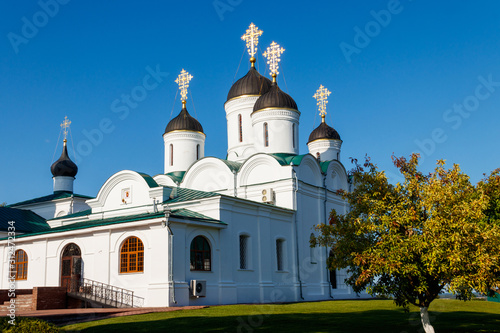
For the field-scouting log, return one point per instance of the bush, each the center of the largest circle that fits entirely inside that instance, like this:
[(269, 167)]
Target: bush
[(27, 325)]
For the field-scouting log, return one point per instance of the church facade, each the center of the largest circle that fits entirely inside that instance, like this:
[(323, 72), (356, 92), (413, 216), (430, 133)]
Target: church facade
[(207, 230)]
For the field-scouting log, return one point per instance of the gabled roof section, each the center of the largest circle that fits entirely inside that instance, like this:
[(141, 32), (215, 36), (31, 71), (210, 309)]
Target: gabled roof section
[(51, 197), (95, 223), (180, 194), (25, 220), (77, 214), (191, 215), (178, 213)]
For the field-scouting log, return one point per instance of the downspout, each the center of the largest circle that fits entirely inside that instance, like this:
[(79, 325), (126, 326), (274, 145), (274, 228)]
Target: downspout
[(171, 256), (235, 183), (326, 248), (296, 189)]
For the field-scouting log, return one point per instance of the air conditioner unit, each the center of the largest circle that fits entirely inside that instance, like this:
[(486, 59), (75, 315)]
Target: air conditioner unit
[(268, 196), (198, 288)]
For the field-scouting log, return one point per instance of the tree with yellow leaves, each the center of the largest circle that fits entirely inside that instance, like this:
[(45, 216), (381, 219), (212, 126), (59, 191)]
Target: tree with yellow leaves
[(415, 239)]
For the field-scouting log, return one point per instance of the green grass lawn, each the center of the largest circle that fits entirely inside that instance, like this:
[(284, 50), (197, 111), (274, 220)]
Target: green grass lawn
[(328, 316)]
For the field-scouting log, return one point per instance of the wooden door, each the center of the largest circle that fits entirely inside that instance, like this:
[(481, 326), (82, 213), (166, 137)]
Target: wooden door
[(71, 267)]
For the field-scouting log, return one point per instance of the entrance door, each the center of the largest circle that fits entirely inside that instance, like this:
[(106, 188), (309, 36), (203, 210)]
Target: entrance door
[(71, 267)]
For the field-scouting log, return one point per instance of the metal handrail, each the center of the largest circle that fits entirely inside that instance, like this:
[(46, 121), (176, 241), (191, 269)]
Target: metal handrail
[(107, 294)]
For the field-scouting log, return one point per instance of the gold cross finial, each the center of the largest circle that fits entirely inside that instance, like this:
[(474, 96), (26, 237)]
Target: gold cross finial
[(321, 97), (65, 125), (252, 38), (183, 82), (273, 54)]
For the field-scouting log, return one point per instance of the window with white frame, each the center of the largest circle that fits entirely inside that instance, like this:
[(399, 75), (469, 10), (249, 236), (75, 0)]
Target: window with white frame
[(244, 255), (280, 261)]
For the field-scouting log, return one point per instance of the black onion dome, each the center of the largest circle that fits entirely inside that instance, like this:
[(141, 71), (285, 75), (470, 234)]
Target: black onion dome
[(275, 98), (323, 131), (64, 166), (184, 122), (251, 84)]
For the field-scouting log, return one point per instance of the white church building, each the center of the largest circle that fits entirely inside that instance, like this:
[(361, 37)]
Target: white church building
[(206, 230)]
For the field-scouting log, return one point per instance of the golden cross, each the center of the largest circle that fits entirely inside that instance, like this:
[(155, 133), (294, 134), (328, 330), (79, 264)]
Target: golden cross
[(321, 97), (273, 54), (65, 125), (183, 82), (252, 38)]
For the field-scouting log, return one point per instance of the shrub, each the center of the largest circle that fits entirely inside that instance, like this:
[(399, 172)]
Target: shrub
[(27, 325)]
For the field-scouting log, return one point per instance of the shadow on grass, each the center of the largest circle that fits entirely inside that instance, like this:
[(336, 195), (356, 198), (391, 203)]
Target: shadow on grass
[(368, 321)]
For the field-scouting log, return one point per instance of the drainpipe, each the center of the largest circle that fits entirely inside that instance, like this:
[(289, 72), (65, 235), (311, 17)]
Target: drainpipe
[(326, 248), (296, 189), (235, 185), (171, 256)]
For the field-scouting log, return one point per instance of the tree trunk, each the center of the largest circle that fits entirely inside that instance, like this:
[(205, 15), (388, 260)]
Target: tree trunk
[(424, 316)]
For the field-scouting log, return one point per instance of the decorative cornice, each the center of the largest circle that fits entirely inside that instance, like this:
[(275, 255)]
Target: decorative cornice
[(275, 108), (182, 133)]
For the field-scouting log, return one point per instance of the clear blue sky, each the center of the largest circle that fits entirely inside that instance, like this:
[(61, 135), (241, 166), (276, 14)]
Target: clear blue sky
[(416, 77)]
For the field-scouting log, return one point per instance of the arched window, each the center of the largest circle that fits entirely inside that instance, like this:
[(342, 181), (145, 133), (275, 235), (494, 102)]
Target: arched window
[(200, 259), (240, 127), (243, 252), (293, 135), (21, 265), (279, 254), (132, 256), (171, 154), (266, 135), (197, 152), (312, 250), (333, 274)]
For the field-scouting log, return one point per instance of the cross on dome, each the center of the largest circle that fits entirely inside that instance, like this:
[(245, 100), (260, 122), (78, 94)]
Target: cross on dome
[(321, 97), (273, 55), (252, 38), (183, 82), (65, 125)]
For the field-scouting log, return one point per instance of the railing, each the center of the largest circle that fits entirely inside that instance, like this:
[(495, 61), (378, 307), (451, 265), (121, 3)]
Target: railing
[(106, 294)]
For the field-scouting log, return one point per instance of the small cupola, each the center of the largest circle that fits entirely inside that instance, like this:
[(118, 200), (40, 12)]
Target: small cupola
[(184, 122), (183, 138), (324, 141), (64, 166), (252, 84), (275, 98), (64, 169)]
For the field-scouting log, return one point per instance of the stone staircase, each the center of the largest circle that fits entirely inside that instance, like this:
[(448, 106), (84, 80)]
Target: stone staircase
[(23, 303)]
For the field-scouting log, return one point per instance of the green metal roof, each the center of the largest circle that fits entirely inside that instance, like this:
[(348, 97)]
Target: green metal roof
[(176, 176), (324, 166), (25, 220), (50, 197), (234, 166), (286, 159), (179, 213), (183, 212), (180, 194), (81, 213), (151, 182)]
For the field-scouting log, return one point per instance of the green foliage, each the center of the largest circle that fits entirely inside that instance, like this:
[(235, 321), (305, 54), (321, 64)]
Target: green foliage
[(411, 240), (27, 325)]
